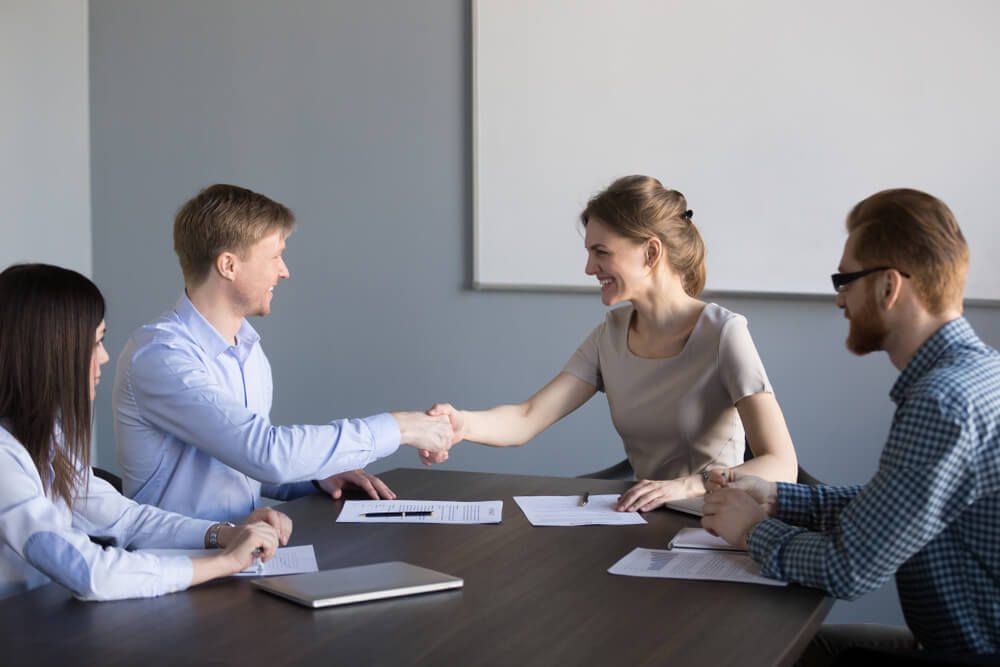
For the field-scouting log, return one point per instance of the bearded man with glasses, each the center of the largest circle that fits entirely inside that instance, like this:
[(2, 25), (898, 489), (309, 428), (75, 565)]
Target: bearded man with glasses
[(929, 515)]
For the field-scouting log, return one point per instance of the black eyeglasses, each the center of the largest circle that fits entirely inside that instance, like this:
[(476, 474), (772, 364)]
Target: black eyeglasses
[(842, 280)]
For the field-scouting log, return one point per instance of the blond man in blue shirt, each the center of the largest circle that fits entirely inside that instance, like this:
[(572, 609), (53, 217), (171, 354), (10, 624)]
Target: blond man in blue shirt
[(193, 388)]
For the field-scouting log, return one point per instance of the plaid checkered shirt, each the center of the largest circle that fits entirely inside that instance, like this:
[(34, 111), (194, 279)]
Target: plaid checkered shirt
[(931, 513)]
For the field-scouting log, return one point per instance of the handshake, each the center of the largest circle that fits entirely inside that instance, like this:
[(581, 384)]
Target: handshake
[(432, 433)]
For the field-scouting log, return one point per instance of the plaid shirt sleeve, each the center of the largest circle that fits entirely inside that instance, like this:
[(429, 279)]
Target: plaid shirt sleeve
[(924, 481)]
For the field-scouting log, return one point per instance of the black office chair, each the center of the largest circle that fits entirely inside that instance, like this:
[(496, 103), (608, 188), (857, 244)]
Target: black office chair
[(623, 470), (115, 481), (109, 477)]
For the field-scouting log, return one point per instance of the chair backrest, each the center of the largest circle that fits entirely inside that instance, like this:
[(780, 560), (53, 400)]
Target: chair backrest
[(109, 477)]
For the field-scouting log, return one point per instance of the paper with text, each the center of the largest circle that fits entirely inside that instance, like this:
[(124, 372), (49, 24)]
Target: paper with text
[(444, 511), (286, 560), (702, 565), (567, 511)]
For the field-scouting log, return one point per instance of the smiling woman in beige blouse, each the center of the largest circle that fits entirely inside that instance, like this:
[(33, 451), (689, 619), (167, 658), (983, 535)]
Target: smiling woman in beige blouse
[(683, 379)]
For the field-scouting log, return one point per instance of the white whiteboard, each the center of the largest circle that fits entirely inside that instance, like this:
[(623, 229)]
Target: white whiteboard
[(773, 117)]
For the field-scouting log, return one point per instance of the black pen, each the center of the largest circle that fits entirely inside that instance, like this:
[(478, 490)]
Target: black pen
[(585, 499), (416, 513)]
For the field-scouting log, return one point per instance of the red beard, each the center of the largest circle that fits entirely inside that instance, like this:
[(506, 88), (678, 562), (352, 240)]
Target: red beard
[(867, 331)]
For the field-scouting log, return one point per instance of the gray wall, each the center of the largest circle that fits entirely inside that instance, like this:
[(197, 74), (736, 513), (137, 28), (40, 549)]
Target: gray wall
[(357, 115), (44, 133)]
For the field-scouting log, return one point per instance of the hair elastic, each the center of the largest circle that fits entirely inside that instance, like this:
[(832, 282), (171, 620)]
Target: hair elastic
[(687, 215)]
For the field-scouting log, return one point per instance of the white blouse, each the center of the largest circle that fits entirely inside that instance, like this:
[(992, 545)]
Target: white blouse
[(41, 540)]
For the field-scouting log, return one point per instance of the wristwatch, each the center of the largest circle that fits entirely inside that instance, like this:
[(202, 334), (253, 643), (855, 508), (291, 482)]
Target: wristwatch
[(212, 536)]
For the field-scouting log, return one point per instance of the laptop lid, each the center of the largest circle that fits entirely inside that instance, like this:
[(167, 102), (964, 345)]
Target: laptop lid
[(358, 584)]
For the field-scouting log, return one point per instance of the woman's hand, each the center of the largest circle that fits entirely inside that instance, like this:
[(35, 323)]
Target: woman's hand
[(242, 544), (457, 422), (649, 494), (249, 541), (280, 521)]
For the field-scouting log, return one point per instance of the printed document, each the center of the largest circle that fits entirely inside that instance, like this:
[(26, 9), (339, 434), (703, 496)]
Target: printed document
[(441, 511), (567, 511), (286, 560), (689, 564)]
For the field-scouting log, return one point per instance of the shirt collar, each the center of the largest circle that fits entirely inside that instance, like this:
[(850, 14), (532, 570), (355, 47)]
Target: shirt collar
[(208, 337), (952, 333)]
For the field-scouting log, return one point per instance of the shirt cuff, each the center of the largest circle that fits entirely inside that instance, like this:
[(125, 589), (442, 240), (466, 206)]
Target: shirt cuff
[(385, 434), (177, 572), (766, 542), (795, 503), (191, 534)]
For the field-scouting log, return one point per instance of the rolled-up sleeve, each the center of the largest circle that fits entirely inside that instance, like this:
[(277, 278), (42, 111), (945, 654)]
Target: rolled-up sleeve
[(865, 534)]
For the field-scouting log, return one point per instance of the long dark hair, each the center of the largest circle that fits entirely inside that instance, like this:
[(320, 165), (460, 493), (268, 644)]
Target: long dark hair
[(48, 318)]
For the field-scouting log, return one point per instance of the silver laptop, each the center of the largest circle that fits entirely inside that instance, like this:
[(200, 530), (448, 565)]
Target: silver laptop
[(358, 584)]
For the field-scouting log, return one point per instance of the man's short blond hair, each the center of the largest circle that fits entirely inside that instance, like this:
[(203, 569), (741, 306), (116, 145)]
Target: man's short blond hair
[(224, 218)]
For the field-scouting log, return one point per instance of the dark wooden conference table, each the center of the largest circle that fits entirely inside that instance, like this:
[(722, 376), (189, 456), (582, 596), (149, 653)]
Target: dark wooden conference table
[(532, 596)]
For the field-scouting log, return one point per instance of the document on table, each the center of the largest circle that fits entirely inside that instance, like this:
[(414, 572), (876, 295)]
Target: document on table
[(699, 539), (441, 511), (286, 560), (567, 511), (693, 505), (690, 564)]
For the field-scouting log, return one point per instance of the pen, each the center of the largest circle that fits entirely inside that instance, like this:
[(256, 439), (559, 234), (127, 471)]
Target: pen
[(257, 565), (585, 499), (416, 513)]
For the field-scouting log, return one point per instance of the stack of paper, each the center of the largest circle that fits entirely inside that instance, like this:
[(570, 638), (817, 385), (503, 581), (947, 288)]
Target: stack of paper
[(694, 554), (286, 560)]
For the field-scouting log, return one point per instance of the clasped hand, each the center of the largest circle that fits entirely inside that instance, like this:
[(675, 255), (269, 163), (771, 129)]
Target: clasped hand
[(259, 537), (735, 503)]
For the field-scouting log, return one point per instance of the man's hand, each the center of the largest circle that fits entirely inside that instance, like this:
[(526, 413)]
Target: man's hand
[(430, 433), (457, 432), (358, 479), (455, 418), (761, 490), (730, 514)]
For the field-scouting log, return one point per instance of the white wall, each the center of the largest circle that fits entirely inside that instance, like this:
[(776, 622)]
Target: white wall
[(772, 117), (44, 133)]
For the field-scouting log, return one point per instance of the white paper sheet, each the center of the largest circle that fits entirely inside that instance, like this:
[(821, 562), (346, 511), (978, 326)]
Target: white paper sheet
[(286, 560), (702, 565), (445, 511), (699, 538), (693, 505), (567, 511)]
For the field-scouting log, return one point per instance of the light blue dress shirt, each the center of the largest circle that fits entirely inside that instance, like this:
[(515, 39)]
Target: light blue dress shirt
[(193, 429), (41, 540)]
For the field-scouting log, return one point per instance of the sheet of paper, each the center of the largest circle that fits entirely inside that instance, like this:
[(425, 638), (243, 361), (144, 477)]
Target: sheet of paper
[(444, 511), (702, 565), (688, 505), (699, 538), (567, 511), (286, 560)]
